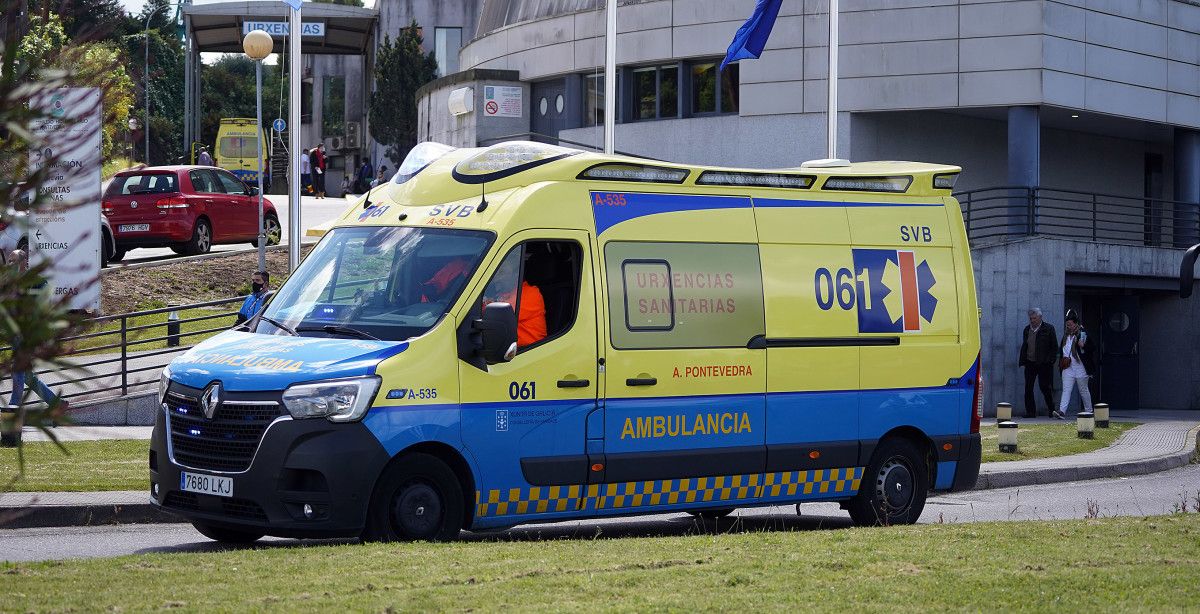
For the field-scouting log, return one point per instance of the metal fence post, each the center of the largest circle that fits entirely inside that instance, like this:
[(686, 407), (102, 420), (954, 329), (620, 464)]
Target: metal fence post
[(173, 328), (1094, 220), (1030, 197), (124, 356)]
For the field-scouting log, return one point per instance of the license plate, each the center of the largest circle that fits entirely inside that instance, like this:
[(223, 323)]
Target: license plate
[(206, 484), (134, 227)]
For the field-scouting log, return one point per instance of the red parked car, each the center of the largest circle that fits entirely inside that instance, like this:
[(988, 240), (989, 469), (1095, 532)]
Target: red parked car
[(186, 208)]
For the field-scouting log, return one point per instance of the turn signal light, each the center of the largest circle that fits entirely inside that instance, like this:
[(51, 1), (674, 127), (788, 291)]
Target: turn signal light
[(815, 454), (598, 467), (947, 447)]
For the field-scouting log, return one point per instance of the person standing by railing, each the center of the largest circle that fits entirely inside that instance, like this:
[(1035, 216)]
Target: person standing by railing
[(259, 285), (21, 379)]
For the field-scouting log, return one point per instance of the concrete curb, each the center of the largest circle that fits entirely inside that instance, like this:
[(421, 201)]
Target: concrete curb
[(1055, 475), (82, 515)]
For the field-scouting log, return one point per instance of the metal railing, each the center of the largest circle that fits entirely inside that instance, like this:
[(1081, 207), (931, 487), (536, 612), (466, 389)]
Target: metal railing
[(552, 140), (114, 341), (1007, 213)]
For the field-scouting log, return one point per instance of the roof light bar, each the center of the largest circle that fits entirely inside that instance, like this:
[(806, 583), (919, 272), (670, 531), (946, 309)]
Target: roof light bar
[(897, 184), (506, 159), (617, 171), (765, 180), (945, 181)]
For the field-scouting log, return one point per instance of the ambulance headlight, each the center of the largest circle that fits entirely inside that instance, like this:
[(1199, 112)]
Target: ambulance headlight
[(343, 400), (164, 382)]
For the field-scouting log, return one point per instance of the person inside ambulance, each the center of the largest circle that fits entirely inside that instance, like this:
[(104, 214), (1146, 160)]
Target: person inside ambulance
[(447, 280), (530, 306)]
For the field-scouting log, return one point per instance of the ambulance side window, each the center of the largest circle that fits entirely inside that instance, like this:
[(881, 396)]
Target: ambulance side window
[(540, 279), (683, 295)]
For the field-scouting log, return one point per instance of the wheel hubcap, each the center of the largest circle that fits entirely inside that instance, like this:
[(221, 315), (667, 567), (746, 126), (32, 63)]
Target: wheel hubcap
[(273, 232), (895, 486), (202, 238), (417, 510)]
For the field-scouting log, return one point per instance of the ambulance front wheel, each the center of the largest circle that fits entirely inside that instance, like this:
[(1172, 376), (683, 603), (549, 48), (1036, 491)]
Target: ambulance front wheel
[(418, 498), (714, 514), (893, 487)]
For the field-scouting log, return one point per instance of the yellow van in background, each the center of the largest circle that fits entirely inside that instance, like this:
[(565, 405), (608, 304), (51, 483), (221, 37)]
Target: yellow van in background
[(236, 149), (529, 333)]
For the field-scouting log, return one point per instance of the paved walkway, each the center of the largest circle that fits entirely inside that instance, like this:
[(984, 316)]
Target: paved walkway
[(1166, 440)]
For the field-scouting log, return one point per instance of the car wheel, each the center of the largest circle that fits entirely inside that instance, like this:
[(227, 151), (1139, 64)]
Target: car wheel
[(180, 249), (894, 486), (105, 248), (272, 229), (714, 514), (418, 498), (117, 255), (226, 535), (201, 239)]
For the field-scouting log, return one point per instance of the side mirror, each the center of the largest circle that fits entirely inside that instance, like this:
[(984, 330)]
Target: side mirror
[(498, 328), (252, 190)]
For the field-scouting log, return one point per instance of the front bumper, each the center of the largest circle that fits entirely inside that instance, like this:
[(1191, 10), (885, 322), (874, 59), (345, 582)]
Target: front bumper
[(332, 467)]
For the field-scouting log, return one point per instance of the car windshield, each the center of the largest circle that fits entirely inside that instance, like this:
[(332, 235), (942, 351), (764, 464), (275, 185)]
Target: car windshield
[(238, 147), (372, 282), (143, 183)]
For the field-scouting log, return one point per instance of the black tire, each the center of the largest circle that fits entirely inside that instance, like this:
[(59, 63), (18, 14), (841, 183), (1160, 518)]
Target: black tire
[(228, 536), (714, 514), (180, 249), (417, 498), (272, 229), (105, 248), (894, 485), (117, 255), (201, 240)]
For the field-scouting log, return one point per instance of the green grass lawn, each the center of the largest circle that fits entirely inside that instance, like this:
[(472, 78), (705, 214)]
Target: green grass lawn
[(1046, 440), (1120, 564), (227, 313), (119, 464)]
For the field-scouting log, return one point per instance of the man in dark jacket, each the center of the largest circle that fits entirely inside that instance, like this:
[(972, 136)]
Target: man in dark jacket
[(1039, 351)]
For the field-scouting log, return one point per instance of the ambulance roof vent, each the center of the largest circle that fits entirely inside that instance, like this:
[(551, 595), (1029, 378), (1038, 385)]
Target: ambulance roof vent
[(507, 159), (826, 163)]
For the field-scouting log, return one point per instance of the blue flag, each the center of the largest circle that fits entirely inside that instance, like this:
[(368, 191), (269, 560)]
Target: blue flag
[(752, 36)]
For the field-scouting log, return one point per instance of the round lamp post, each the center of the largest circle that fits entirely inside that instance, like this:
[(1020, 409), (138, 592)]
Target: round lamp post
[(1003, 412), (1085, 425), (258, 45), (1101, 415)]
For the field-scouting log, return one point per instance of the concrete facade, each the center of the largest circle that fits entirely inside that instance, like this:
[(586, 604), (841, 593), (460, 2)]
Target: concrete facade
[(438, 124)]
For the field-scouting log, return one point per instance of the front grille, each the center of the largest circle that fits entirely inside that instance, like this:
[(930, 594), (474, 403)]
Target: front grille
[(227, 442), (182, 500), (243, 508)]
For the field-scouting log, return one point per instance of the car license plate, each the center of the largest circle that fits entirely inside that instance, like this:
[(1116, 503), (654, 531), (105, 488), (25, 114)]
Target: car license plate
[(206, 484), (135, 227)]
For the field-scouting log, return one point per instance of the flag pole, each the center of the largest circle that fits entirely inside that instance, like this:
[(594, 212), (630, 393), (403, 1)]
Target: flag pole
[(610, 79), (833, 78)]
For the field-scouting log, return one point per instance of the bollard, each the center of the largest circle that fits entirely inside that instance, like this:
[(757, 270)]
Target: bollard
[(1003, 412), (1085, 424), (1008, 437), (173, 328), (1101, 415), (10, 435)]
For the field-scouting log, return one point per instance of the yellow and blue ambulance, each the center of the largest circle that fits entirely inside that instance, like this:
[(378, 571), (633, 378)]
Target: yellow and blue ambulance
[(237, 149), (528, 333)]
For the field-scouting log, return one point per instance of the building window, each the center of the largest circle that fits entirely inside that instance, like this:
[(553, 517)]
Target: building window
[(714, 90), (446, 44), (333, 106), (306, 101), (656, 92), (593, 99)]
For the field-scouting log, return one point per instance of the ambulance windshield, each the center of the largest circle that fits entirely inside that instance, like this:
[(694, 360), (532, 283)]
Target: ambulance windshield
[(368, 282)]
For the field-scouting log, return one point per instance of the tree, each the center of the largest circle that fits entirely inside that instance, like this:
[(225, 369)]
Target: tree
[(164, 82), (400, 68), (44, 48), (227, 90)]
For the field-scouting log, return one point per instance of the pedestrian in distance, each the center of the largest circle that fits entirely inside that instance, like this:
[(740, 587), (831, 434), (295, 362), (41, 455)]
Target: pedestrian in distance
[(1039, 350), (10, 437), (260, 284), (318, 167), (363, 177), (204, 159), (1077, 361), (305, 172), (381, 178)]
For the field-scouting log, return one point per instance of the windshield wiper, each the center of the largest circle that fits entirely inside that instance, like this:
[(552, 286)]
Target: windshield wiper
[(283, 327), (340, 330)]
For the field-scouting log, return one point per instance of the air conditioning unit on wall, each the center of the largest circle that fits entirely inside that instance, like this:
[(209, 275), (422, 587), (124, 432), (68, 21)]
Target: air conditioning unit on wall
[(337, 143), (353, 130)]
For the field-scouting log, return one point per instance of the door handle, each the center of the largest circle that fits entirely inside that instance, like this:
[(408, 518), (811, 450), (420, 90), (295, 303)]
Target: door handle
[(641, 381), (573, 383)]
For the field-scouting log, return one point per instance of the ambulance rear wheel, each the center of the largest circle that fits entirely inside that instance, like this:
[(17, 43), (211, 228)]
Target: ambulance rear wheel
[(418, 498), (712, 514), (894, 486), (227, 536)]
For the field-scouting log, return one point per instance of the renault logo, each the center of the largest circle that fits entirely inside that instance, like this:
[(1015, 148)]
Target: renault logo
[(211, 400)]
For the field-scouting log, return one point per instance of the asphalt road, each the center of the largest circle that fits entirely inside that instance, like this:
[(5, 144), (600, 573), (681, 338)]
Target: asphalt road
[(313, 212), (1146, 495)]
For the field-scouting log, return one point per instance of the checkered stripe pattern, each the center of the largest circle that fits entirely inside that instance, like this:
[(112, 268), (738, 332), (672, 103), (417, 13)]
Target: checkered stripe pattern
[(626, 495)]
